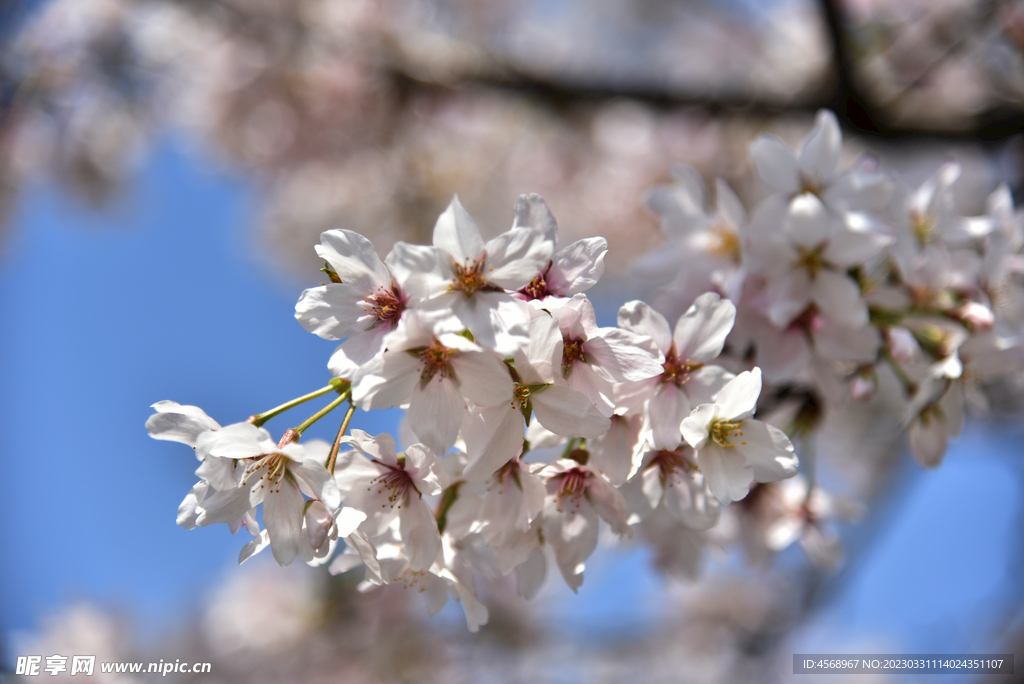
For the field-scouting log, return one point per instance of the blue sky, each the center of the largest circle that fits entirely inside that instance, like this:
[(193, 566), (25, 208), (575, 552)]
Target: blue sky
[(165, 296)]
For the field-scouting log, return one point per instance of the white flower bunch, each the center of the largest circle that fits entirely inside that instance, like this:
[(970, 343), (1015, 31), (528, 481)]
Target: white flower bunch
[(532, 423)]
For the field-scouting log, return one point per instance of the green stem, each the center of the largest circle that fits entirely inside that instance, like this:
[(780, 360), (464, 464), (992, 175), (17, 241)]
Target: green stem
[(448, 498), (909, 385), (261, 418), (320, 414), (337, 440)]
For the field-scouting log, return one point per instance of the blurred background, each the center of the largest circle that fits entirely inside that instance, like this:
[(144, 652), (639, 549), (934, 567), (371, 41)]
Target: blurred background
[(166, 167)]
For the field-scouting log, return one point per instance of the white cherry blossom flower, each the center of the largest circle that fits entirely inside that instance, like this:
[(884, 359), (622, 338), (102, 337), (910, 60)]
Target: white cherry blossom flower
[(687, 379), (573, 269), (807, 514), (732, 448), (276, 476), (364, 306), (467, 278), (374, 480), (593, 358), (671, 478), (711, 244), (577, 498), (434, 375), (815, 169), (495, 434), (807, 261)]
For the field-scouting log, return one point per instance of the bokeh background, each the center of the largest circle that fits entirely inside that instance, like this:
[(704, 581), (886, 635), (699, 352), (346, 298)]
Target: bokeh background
[(166, 167)]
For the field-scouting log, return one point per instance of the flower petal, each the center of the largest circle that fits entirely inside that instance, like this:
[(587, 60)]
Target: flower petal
[(353, 257), (457, 233), (436, 410), (638, 317), (577, 267), (700, 333), (738, 398), (727, 473), (776, 163), (568, 412), (819, 155)]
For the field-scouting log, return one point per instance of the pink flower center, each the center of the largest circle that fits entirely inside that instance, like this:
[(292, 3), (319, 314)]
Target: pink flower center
[(274, 467), (572, 351), (572, 485), (386, 305), (434, 360), (396, 482), (672, 467), (538, 287), (676, 369)]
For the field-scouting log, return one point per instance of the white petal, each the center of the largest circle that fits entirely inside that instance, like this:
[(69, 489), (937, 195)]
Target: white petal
[(516, 257), (380, 448), (423, 467), (482, 378), (667, 409), (436, 411), (845, 343), (422, 271), (776, 163), (788, 295), (700, 333), (239, 440), (334, 311), (595, 386), (568, 412), (692, 503), (353, 257), (928, 441), (530, 575), (456, 232), (254, 547), (493, 437), (729, 205), (738, 398), (357, 351), (419, 533), (727, 473), (541, 359), (386, 381), (838, 297), (819, 155), (767, 449), (695, 426), (609, 504), (623, 356), (348, 520), (320, 481), (577, 267), (178, 423), (282, 516), (847, 248), (640, 318), (808, 223), (532, 212), (574, 538)]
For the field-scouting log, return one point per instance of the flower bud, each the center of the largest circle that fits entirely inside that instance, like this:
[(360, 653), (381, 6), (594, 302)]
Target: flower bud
[(902, 345), (318, 524), (975, 316), (864, 386)]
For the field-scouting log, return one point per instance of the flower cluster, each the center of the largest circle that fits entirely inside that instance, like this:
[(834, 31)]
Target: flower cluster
[(528, 423)]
